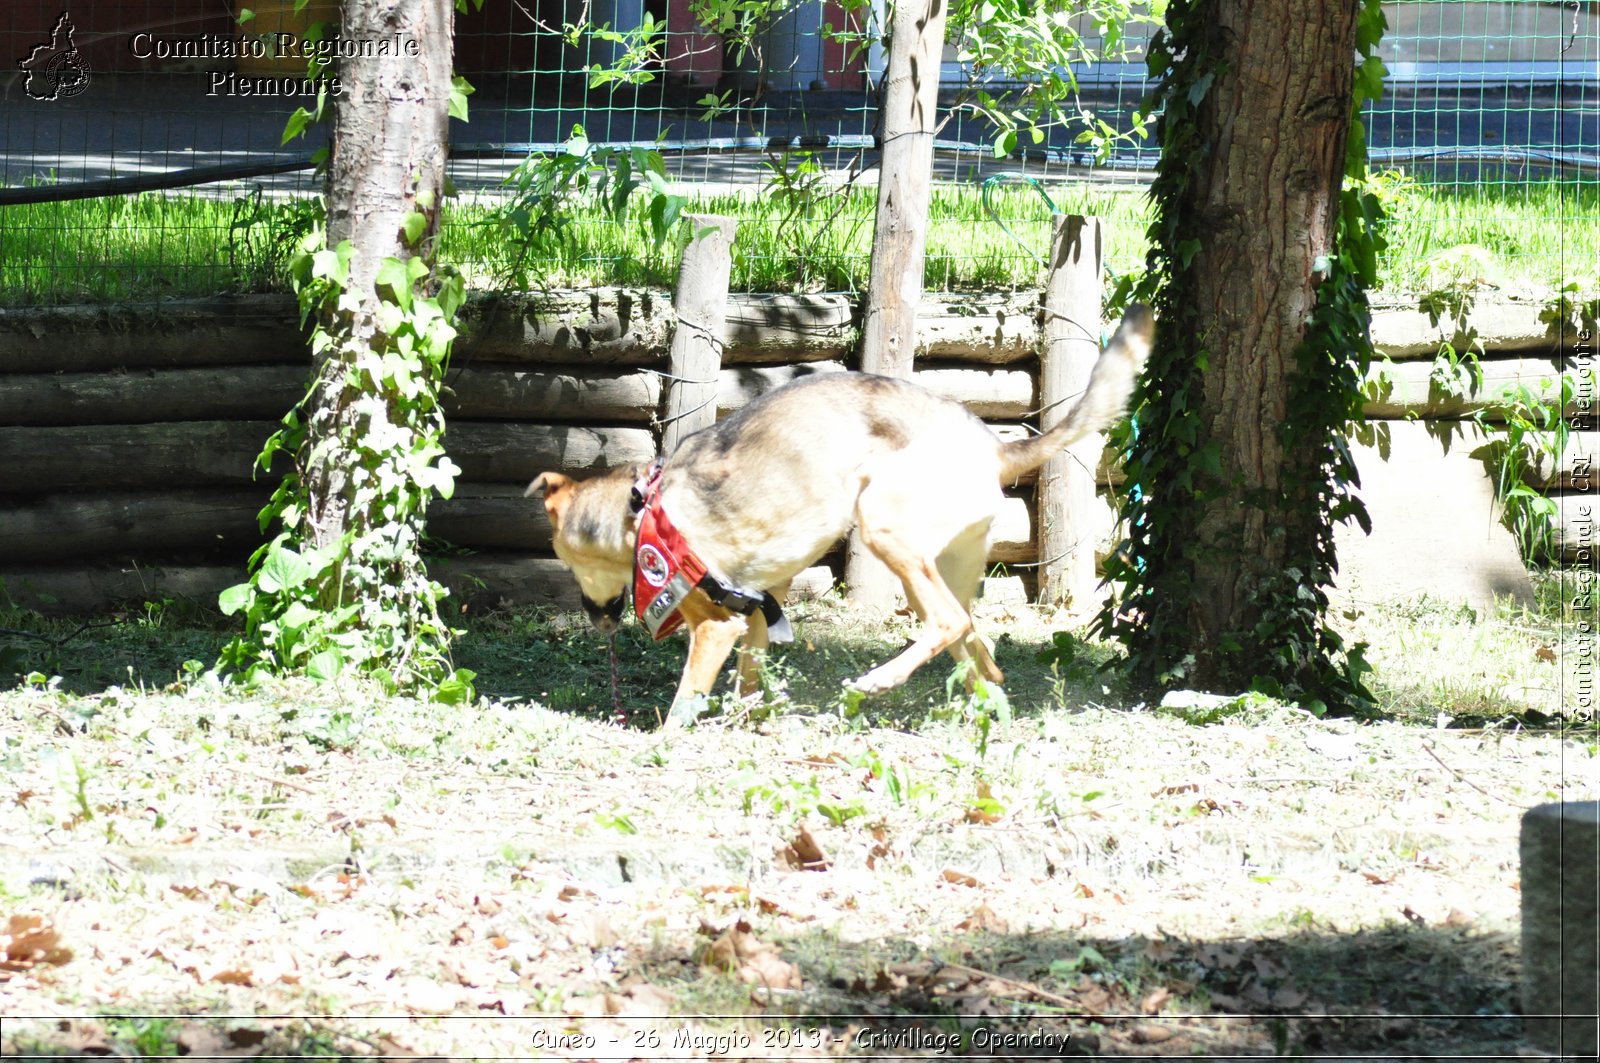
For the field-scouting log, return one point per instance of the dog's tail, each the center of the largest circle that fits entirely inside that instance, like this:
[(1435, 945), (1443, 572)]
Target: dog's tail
[(1102, 402)]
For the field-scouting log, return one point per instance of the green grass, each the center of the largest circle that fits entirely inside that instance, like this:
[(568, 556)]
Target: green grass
[(823, 246), (1526, 238), (1532, 237), (1431, 659)]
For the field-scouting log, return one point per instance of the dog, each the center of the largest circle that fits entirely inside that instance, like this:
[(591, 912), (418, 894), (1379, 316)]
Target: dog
[(752, 500)]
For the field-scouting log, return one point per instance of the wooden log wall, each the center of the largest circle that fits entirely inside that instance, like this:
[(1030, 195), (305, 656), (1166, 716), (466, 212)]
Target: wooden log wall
[(128, 434)]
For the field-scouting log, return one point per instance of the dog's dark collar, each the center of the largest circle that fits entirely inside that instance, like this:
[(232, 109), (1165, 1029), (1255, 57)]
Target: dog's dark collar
[(666, 569)]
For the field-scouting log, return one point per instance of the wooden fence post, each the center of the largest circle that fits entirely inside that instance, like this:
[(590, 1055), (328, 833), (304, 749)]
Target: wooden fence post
[(700, 303), (1070, 343), (907, 118)]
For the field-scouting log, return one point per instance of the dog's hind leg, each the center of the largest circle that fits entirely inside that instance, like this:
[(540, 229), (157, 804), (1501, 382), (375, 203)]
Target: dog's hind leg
[(961, 566), (711, 639), (945, 620)]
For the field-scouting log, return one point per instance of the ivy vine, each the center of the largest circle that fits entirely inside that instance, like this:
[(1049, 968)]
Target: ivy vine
[(1286, 649), (362, 602)]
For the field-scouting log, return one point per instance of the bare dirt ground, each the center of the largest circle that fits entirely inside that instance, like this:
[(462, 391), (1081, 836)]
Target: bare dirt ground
[(326, 871)]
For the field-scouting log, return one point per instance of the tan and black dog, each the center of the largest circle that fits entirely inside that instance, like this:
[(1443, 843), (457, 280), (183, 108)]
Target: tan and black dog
[(764, 493)]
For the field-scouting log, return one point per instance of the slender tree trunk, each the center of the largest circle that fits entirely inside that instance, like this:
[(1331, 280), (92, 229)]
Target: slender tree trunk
[(387, 160), (1256, 200), (905, 186), (908, 117)]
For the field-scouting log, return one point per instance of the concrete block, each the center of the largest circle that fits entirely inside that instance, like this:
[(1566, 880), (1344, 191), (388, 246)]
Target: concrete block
[(1436, 530), (1560, 932)]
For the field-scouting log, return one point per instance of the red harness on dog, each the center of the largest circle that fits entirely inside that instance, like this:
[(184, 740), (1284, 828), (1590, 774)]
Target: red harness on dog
[(665, 570)]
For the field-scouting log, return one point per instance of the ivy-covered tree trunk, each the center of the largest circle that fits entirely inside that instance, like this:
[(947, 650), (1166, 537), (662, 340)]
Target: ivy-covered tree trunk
[(386, 164), (1238, 458), (343, 586)]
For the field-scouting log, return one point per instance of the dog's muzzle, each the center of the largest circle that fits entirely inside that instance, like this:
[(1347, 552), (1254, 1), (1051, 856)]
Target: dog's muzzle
[(608, 617)]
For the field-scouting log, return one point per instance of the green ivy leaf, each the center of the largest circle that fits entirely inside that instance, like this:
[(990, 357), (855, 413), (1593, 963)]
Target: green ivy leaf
[(296, 125), (458, 689), (236, 598), (414, 225), (283, 569), (394, 275), (325, 665), (460, 89)]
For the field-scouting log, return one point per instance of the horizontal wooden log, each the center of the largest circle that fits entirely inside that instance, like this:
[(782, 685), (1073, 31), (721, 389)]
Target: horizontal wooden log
[(1408, 388), (227, 330), (515, 453), (477, 584), (1578, 468), (1000, 394), (123, 525), (264, 393), (991, 392), (611, 327), (737, 388), (815, 582), (998, 329), (490, 517), (767, 329), (143, 396), (1575, 470), (127, 524), (555, 394), (602, 327), (211, 453), (68, 590), (485, 581), (1011, 535), (1406, 332), (180, 455)]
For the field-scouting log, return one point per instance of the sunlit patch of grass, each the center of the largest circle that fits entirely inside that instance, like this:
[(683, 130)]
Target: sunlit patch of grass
[(1532, 238), (1536, 236), (1446, 663)]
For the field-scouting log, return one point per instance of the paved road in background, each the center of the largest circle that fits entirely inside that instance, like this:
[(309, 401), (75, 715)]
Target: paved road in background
[(131, 124)]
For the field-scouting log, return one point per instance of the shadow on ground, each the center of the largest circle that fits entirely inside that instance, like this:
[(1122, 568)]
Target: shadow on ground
[(1395, 993)]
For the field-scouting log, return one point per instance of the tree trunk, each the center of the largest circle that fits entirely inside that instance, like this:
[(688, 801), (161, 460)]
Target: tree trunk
[(387, 160), (1254, 199), (908, 117)]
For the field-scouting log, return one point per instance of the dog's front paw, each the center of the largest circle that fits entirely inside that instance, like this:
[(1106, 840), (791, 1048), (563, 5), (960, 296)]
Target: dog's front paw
[(686, 711), (874, 682)]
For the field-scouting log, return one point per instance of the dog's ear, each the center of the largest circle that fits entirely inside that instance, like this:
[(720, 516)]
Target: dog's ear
[(551, 483), (557, 493)]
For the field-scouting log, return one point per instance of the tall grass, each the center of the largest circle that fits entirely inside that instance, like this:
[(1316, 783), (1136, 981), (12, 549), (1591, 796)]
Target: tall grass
[(115, 248), (1522, 237), (1530, 237)]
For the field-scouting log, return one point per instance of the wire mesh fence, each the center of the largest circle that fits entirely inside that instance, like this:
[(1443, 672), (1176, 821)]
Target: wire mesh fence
[(142, 152)]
